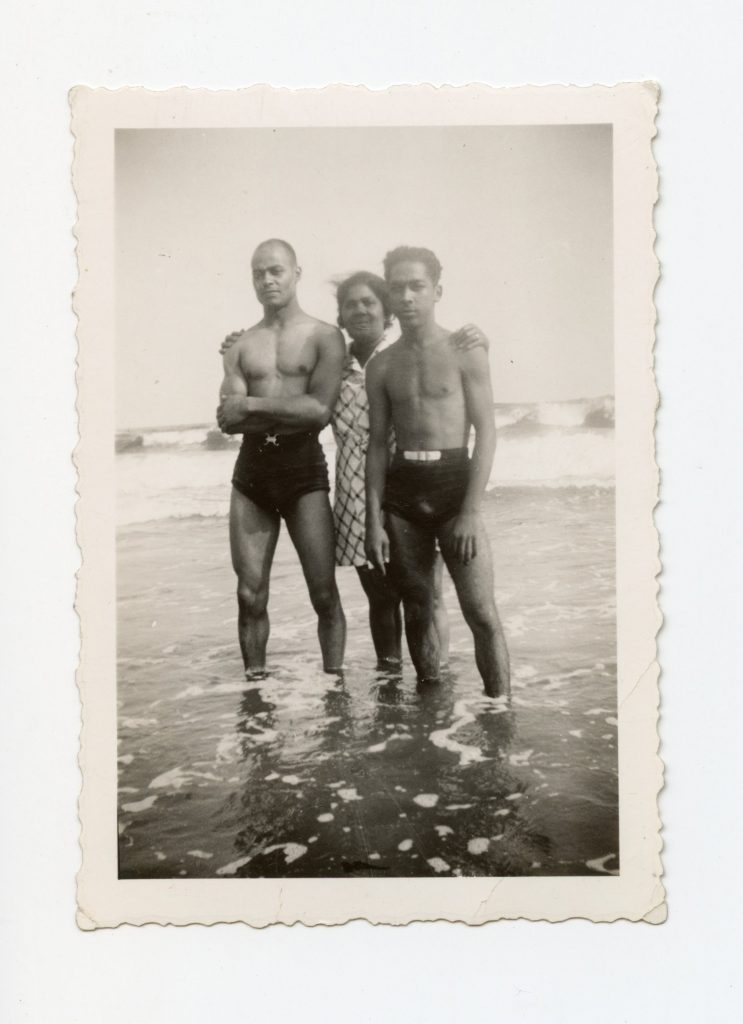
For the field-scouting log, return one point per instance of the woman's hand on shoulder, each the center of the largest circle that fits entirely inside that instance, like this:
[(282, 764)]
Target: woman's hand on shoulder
[(229, 341), (470, 336)]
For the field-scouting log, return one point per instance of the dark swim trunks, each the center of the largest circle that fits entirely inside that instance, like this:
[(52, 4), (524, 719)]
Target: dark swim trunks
[(276, 470), (428, 493)]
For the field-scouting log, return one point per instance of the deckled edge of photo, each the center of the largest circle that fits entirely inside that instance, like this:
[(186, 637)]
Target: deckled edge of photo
[(103, 900)]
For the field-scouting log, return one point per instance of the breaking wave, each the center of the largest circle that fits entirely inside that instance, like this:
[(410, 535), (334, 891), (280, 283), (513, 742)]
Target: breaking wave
[(184, 471)]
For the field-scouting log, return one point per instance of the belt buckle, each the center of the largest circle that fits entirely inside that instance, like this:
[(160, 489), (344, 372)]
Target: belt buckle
[(425, 456)]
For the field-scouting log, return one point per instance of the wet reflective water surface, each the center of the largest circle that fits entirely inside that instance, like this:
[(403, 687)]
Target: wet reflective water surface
[(304, 774)]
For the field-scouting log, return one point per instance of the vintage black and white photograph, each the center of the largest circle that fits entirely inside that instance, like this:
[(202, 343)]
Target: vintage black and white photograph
[(365, 485)]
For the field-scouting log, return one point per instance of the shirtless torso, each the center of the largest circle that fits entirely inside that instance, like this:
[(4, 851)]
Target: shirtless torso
[(289, 373), (424, 389)]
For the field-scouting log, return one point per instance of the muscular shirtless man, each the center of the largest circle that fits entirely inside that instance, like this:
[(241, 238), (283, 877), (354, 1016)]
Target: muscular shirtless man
[(281, 381), (433, 393)]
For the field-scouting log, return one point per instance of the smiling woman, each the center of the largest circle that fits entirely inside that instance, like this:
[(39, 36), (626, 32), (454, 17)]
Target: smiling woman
[(364, 312)]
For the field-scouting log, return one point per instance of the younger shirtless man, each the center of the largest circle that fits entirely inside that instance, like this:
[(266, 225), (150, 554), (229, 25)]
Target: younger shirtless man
[(432, 393), (281, 381)]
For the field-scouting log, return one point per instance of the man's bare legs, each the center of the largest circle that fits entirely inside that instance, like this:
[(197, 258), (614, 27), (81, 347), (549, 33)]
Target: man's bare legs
[(253, 536), (412, 552), (310, 525), (385, 621), (474, 584)]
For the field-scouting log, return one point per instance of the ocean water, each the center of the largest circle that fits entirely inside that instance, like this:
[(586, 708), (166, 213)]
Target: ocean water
[(305, 774)]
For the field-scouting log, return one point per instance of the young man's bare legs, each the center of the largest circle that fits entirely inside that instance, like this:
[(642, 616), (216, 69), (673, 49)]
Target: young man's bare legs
[(474, 585), (253, 536), (412, 553), (310, 525)]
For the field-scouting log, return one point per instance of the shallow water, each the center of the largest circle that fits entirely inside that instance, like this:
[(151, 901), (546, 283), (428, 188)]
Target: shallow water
[(305, 774)]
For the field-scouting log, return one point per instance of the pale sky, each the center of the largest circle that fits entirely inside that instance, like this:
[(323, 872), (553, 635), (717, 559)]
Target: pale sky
[(520, 217)]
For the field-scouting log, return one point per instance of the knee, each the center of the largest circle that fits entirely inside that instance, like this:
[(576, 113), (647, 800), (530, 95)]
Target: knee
[(252, 601), (324, 600), (418, 601), (482, 618)]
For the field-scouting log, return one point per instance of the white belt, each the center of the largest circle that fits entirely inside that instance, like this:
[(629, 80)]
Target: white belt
[(428, 456)]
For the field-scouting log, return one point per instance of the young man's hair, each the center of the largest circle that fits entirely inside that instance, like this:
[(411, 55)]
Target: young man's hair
[(413, 254), (374, 283), (288, 249)]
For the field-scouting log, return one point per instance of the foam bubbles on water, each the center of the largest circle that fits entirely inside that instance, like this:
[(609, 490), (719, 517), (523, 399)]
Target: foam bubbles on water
[(443, 830), (327, 816), (177, 777), (349, 794), (227, 748), (520, 759), (233, 866), (438, 865), (139, 805), (426, 799), (200, 854), (443, 737), (137, 723), (292, 851), (405, 845), (291, 780), (174, 779), (478, 846), (599, 864)]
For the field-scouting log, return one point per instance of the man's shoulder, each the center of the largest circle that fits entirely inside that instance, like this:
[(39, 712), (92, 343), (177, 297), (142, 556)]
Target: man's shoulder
[(472, 360), (321, 328), (233, 357), (247, 334), (325, 335), (390, 352), (377, 368)]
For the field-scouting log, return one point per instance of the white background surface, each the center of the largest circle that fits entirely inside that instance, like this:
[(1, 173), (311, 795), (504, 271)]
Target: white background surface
[(683, 970)]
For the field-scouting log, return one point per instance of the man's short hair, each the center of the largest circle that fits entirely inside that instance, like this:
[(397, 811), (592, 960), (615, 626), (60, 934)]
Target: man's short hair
[(374, 283), (413, 254), (288, 249)]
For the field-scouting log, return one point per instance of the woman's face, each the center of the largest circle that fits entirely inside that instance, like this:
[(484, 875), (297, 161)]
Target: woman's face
[(362, 313)]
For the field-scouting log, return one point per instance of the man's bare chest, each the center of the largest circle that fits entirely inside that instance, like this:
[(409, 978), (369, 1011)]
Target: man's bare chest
[(430, 377), (268, 356)]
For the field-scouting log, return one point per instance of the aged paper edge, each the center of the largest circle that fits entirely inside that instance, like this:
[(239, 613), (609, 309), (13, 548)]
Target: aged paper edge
[(637, 894)]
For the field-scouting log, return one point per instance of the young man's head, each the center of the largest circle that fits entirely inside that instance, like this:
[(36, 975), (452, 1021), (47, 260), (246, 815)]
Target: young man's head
[(412, 275), (275, 273)]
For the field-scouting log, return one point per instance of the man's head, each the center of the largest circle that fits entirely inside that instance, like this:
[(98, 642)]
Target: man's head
[(275, 273), (412, 275)]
